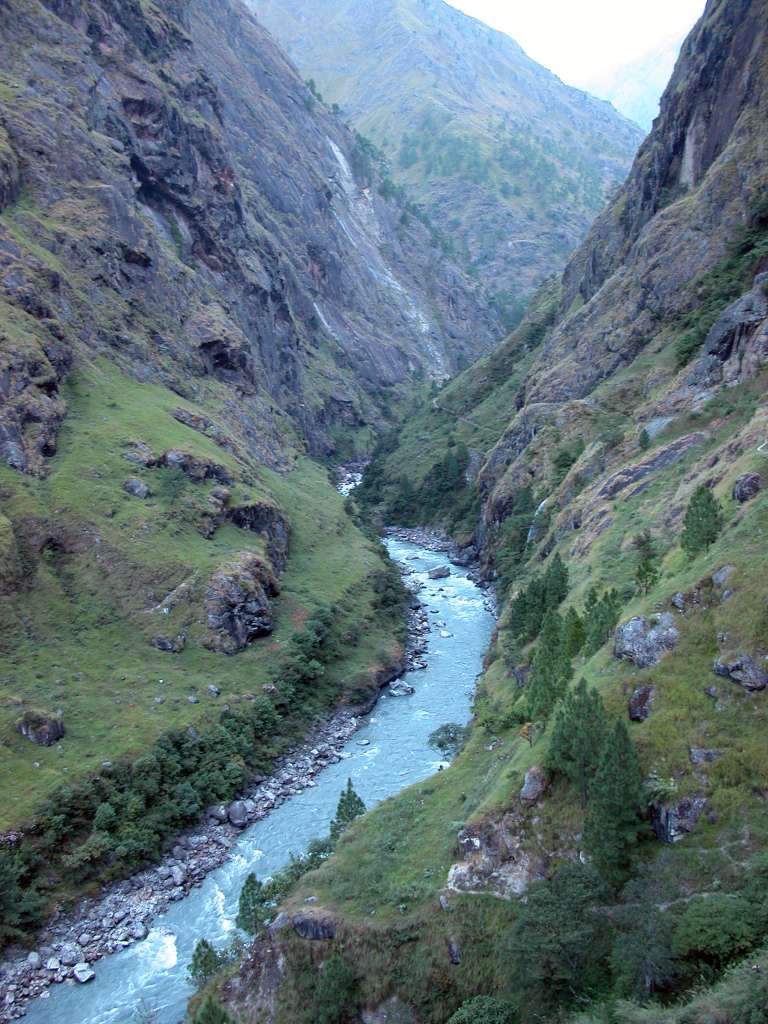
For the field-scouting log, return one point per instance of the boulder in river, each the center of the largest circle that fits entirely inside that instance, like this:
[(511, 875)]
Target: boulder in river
[(83, 973), (440, 573)]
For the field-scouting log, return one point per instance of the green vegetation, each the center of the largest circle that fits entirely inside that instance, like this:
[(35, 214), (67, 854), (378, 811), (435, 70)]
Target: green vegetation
[(484, 1010), (350, 806), (211, 1012), (703, 522), (613, 825)]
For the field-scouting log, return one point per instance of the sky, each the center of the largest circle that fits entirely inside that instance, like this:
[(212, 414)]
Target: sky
[(592, 43)]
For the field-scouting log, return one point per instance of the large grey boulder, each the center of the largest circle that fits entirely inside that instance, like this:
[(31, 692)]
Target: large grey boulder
[(644, 641), (440, 573), (742, 669), (535, 784), (70, 954), (136, 487), (237, 813), (83, 973), (747, 486), (41, 728)]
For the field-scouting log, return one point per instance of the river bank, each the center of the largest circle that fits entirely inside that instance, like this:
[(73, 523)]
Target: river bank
[(122, 914)]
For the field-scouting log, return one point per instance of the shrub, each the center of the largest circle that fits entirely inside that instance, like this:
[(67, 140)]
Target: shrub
[(714, 930), (484, 1010)]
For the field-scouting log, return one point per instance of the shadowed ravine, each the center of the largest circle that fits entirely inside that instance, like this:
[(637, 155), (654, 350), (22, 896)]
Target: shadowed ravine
[(153, 973)]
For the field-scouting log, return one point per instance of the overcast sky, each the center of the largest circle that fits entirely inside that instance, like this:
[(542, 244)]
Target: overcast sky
[(583, 41)]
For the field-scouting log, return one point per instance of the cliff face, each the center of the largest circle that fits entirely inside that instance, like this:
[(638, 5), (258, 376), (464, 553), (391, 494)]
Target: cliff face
[(511, 164), (193, 215)]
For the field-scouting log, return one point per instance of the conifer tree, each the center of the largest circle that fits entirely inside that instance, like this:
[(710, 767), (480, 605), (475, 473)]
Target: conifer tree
[(551, 668), (703, 522), (251, 910), (205, 963), (613, 826), (350, 806), (211, 1012), (555, 583), (644, 440), (578, 736), (647, 575), (574, 634), (600, 620)]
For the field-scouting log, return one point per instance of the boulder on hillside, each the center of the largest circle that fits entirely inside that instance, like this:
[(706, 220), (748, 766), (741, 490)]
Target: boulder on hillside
[(237, 603), (644, 641), (747, 486), (41, 728), (742, 669), (641, 702), (535, 784), (172, 646), (314, 926), (672, 822), (136, 487)]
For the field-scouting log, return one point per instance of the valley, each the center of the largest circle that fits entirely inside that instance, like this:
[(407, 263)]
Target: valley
[(275, 353)]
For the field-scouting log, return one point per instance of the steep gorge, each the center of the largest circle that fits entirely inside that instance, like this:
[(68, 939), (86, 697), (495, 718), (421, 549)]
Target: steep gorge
[(633, 384)]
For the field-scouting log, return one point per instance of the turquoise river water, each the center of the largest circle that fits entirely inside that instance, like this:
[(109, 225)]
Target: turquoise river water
[(153, 974)]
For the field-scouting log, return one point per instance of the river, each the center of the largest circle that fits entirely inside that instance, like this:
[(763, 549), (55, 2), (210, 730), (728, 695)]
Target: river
[(151, 975)]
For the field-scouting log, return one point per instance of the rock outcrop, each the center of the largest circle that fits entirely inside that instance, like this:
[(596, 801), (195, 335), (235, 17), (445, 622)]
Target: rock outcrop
[(41, 728), (645, 641), (237, 603)]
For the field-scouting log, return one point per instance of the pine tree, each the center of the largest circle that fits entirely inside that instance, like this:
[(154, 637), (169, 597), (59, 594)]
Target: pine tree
[(211, 1012), (555, 583), (205, 963), (574, 634), (703, 522), (644, 440), (600, 620), (350, 806), (647, 575), (251, 910), (577, 738), (551, 668), (612, 826)]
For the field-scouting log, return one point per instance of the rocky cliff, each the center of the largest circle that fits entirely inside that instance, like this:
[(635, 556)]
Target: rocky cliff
[(511, 164)]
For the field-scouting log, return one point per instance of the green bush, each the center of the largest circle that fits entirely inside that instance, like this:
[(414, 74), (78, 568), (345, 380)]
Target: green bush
[(714, 930), (484, 1010)]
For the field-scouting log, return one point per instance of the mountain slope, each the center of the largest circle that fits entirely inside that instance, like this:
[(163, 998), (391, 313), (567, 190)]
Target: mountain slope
[(200, 292), (510, 164), (633, 384)]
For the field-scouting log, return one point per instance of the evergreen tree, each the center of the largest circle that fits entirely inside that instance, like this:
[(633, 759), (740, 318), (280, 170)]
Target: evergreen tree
[(205, 963), (337, 995), (612, 827), (559, 943), (574, 634), (350, 806), (703, 522), (578, 736), (251, 909), (551, 668), (211, 1012), (600, 620), (647, 575), (484, 1010), (644, 440), (22, 908), (555, 583)]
